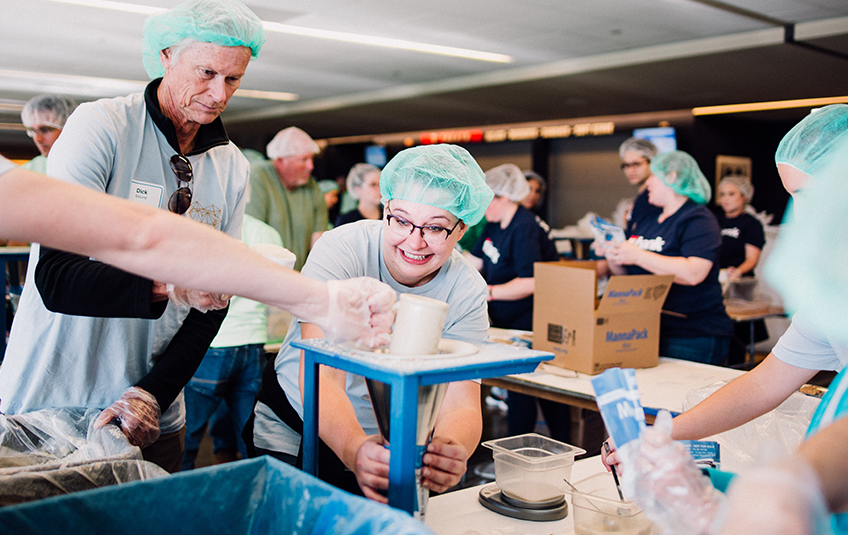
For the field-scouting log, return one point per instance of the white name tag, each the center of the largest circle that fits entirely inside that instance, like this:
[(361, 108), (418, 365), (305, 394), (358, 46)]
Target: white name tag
[(149, 194)]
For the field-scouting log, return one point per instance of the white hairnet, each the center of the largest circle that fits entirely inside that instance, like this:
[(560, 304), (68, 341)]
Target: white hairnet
[(50, 110), (357, 175), (635, 144), (508, 181), (291, 141), (742, 183), (444, 176), (220, 22)]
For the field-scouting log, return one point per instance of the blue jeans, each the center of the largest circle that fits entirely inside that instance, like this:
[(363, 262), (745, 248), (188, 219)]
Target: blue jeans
[(706, 349), (230, 375)]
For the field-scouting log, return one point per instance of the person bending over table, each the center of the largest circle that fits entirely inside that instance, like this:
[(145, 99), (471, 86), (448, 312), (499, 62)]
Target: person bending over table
[(683, 239), (431, 194)]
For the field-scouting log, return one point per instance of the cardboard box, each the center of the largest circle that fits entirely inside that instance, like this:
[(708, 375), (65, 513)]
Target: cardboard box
[(589, 335)]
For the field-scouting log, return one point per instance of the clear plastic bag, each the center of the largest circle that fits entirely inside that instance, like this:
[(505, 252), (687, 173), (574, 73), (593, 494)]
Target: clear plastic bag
[(57, 451), (783, 429)]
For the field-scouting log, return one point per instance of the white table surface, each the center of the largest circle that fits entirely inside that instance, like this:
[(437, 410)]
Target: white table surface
[(460, 512), (662, 387)]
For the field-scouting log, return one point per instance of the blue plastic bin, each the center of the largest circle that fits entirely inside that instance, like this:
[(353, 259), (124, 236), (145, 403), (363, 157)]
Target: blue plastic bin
[(255, 496)]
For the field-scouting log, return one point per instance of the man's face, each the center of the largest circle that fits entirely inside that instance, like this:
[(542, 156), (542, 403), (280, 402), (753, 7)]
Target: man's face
[(294, 171), (636, 168), (44, 132), (201, 79)]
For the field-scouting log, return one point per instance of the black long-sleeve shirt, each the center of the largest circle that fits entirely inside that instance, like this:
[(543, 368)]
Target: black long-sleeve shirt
[(75, 285)]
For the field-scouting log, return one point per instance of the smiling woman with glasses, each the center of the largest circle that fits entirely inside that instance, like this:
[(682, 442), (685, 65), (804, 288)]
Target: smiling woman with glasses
[(431, 193)]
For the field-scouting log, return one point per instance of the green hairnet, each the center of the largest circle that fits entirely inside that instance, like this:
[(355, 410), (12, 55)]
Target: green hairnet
[(327, 186), (220, 22), (690, 181), (444, 176), (807, 147), (809, 263)]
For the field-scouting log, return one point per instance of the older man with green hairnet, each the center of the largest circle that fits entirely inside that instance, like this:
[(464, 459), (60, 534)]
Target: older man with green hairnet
[(88, 335)]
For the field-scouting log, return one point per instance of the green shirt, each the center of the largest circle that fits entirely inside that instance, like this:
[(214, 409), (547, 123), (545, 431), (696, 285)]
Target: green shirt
[(296, 215)]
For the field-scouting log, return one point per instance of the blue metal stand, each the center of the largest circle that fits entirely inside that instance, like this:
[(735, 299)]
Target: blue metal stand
[(404, 375)]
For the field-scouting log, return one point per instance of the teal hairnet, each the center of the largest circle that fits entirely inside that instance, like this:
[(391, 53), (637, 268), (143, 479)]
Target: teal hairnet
[(808, 146), (220, 22), (690, 181), (809, 263), (444, 176), (327, 186)]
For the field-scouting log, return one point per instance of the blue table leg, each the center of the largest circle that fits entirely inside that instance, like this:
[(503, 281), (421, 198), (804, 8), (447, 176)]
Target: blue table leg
[(403, 427), (310, 414)]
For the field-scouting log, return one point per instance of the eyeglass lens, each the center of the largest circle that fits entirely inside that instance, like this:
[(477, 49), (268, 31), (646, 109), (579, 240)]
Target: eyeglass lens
[(634, 164), (40, 130), (180, 200), (432, 234)]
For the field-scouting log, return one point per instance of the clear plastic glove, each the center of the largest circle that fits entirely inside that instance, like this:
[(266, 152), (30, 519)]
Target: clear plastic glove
[(360, 310), (137, 414), (663, 479), (202, 301), (781, 498)]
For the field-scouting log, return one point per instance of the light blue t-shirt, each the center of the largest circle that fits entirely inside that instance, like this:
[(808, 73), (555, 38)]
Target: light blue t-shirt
[(355, 250), (803, 346)]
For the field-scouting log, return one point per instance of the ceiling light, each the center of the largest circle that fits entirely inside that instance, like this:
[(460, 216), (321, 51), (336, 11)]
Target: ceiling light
[(268, 95), (116, 6), (768, 106), (387, 42), (321, 34)]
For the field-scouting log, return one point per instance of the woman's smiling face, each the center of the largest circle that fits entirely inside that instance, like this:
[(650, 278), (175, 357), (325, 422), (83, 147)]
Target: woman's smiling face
[(411, 260)]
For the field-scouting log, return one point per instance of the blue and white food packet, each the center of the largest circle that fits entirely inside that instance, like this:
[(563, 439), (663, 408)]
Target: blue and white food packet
[(605, 231), (617, 396), (705, 452)]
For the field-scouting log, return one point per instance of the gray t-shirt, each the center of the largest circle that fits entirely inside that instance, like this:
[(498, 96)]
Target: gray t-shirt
[(802, 346), (355, 250)]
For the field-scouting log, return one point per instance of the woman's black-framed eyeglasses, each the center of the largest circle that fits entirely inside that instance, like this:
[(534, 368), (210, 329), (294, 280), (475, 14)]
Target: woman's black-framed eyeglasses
[(432, 234), (181, 199)]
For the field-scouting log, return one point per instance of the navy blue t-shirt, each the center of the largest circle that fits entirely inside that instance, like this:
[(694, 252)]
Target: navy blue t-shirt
[(508, 254), (692, 231), (641, 209), (736, 232)]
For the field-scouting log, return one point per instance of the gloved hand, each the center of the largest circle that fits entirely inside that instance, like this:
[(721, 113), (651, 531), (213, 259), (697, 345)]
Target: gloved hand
[(202, 301), (779, 498), (666, 484), (137, 413), (360, 310)]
